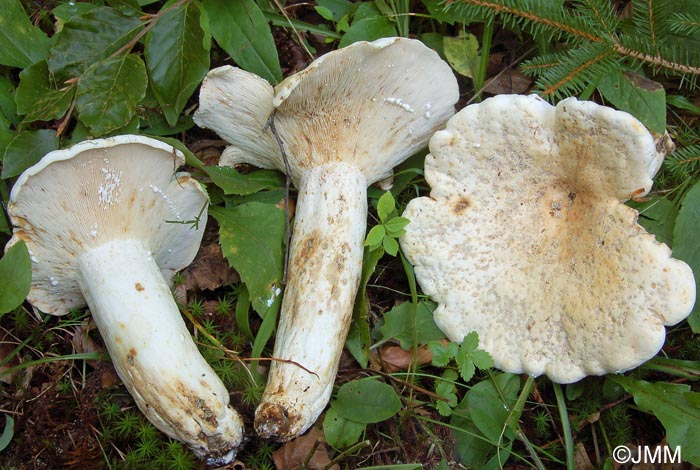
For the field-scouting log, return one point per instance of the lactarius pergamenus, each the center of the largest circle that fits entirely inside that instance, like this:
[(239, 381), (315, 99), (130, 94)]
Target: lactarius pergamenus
[(525, 238), (108, 222), (345, 121)]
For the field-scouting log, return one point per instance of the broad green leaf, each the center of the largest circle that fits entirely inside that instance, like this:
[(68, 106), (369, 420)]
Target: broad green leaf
[(66, 11), (643, 98), (15, 277), (252, 240), (108, 93), (391, 246), (399, 324), (8, 432), (240, 28), (177, 57), (233, 182), (375, 236), (25, 149), (680, 101), (337, 8), (395, 226), (341, 433), (22, 43), (385, 206), (359, 338), (686, 243), (462, 53), (368, 24), (366, 401), (677, 408), (38, 97), (8, 108), (89, 38), (657, 216)]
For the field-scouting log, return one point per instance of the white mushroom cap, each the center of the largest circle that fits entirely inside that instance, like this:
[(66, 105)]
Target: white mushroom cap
[(525, 240), (372, 104), (117, 189)]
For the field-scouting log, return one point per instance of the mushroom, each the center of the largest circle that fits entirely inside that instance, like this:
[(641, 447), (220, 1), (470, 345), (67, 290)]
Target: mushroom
[(525, 238), (345, 121), (108, 222)]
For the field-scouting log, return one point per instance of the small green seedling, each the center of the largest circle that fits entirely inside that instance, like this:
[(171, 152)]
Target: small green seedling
[(389, 228)]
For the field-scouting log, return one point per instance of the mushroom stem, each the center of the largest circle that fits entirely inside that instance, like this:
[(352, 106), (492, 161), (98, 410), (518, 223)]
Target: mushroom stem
[(153, 352), (324, 274)]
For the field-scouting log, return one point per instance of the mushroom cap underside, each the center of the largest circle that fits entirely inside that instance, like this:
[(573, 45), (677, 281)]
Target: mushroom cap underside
[(81, 197), (525, 240), (372, 104)]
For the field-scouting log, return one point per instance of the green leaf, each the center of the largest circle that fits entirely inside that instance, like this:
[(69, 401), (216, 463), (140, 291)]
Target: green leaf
[(643, 98), (391, 246), (366, 401), (8, 432), (446, 388), (462, 53), (66, 11), (395, 226), (469, 357), (252, 240), (675, 406), (359, 338), (15, 277), (368, 24), (658, 217), (177, 57), (338, 8), (8, 108), (442, 354), (686, 243), (341, 433), (240, 28), (108, 93), (89, 38), (375, 237), (385, 206), (233, 182), (38, 97), (22, 43), (399, 324), (25, 149)]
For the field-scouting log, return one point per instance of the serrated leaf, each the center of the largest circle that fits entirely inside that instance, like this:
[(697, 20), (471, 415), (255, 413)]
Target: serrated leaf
[(399, 324), (385, 206), (252, 240), (240, 28), (442, 354), (375, 236), (15, 277), (38, 97), (341, 433), (462, 53), (675, 406), (233, 182), (108, 92), (368, 24), (470, 342), (25, 149), (22, 43), (481, 359), (686, 243), (643, 98), (89, 38), (177, 57), (366, 401)]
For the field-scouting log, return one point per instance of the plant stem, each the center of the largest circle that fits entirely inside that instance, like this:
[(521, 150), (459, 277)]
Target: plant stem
[(565, 426)]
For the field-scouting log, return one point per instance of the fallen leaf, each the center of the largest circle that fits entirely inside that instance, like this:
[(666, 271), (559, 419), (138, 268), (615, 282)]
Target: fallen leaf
[(5, 350), (510, 81), (396, 359), (83, 343), (581, 459), (296, 454), (209, 270)]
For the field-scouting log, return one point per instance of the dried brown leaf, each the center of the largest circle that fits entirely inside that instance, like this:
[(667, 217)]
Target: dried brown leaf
[(396, 359), (298, 452), (209, 270)]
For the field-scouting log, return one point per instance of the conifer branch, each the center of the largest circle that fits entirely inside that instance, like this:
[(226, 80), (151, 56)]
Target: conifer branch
[(552, 89)]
